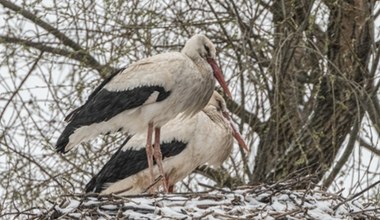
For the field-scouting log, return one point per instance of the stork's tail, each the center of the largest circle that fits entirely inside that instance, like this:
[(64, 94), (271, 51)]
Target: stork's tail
[(91, 186), (98, 182), (63, 145)]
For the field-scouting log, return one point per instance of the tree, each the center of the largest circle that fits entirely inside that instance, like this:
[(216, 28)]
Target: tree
[(303, 74)]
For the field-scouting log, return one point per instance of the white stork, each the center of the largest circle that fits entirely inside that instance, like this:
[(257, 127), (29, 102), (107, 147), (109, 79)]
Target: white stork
[(146, 95), (186, 143)]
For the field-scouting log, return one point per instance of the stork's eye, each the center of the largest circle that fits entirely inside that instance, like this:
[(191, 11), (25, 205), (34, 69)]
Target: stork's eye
[(207, 49), (220, 106)]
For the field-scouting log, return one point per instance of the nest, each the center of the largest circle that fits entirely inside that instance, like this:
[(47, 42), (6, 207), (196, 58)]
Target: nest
[(266, 201)]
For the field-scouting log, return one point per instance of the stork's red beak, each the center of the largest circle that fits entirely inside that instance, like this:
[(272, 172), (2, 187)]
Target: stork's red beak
[(219, 76), (236, 133), (239, 139)]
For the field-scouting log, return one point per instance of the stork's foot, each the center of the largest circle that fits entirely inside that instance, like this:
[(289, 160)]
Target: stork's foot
[(164, 179), (158, 157), (149, 154), (165, 183)]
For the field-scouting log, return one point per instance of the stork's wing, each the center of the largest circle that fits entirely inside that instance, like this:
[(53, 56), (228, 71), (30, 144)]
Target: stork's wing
[(72, 114), (127, 162), (130, 88), (148, 81), (107, 104)]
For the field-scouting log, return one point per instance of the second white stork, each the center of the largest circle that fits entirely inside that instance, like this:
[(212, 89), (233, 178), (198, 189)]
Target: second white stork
[(146, 95), (185, 143)]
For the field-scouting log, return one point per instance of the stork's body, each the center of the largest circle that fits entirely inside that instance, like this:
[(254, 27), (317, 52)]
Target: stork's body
[(147, 94), (186, 143)]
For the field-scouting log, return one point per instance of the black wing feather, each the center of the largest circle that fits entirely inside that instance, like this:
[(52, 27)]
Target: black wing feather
[(129, 162), (72, 114), (104, 105)]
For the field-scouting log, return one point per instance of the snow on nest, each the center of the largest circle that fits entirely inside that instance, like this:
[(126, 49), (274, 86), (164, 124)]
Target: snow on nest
[(276, 201)]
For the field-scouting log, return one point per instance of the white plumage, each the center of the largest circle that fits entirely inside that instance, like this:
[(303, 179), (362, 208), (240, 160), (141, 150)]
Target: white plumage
[(147, 94), (208, 138)]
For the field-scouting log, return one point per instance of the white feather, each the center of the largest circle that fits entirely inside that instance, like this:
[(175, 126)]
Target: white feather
[(187, 76), (209, 139)]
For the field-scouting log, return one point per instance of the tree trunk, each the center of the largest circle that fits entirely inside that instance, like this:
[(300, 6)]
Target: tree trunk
[(311, 147)]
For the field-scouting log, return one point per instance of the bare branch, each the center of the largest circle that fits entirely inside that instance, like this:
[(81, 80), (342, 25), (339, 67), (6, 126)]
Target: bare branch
[(221, 177), (345, 156), (86, 57), (21, 84), (32, 17), (357, 194), (251, 119), (80, 56), (368, 146)]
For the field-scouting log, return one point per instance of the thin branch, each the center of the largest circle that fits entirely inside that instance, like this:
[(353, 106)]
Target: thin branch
[(39, 46), (221, 177), (80, 56), (32, 17), (41, 167), (21, 84), (346, 154), (251, 119), (86, 57), (368, 146), (357, 194)]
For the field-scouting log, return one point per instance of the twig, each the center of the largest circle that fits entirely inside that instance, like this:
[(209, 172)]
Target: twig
[(288, 213), (356, 195), (346, 154), (58, 34), (153, 184), (367, 210), (213, 187), (22, 83), (368, 146), (79, 56), (204, 215)]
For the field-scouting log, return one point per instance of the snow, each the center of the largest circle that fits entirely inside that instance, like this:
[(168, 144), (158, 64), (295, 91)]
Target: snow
[(72, 205), (249, 202)]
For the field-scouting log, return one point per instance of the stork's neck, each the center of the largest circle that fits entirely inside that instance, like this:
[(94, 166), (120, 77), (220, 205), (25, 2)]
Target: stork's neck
[(202, 64), (192, 54), (202, 86), (217, 117)]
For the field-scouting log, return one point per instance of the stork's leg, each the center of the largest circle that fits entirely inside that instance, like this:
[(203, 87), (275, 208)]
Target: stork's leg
[(158, 157), (149, 151)]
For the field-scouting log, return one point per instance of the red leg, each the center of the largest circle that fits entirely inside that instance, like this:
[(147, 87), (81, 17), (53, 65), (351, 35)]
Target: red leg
[(149, 151), (158, 157)]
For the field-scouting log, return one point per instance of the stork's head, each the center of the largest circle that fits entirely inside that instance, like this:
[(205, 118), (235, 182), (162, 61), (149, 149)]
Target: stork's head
[(218, 104), (199, 47)]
